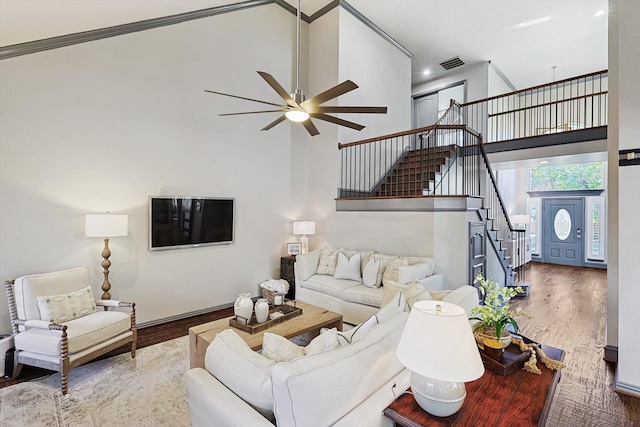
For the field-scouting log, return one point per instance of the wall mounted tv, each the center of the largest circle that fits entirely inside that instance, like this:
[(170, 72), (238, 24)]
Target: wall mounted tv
[(187, 222)]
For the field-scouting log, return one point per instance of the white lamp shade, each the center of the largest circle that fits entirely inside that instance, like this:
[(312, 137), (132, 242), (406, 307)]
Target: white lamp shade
[(440, 344), (106, 225), (307, 228)]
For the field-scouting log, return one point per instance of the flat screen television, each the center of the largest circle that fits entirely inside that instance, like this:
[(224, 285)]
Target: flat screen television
[(187, 222)]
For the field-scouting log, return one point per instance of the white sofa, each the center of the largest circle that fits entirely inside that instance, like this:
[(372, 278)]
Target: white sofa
[(347, 386), (318, 281)]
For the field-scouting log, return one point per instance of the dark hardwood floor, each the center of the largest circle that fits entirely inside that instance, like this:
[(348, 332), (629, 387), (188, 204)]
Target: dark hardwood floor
[(566, 309)]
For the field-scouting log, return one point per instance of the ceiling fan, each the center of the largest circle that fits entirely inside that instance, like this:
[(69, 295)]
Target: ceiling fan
[(298, 108)]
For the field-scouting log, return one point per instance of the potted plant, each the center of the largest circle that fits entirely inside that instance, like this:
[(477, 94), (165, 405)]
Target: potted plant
[(494, 316)]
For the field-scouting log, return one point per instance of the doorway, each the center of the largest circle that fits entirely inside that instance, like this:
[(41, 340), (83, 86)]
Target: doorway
[(562, 227), (428, 108)]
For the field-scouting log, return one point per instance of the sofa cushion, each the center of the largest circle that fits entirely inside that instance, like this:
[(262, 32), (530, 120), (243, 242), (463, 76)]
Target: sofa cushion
[(280, 349), (372, 273), (329, 285), (409, 273), (308, 263), (60, 308), (364, 256), (348, 268), (396, 305), (242, 370), (82, 333), (412, 292), (306, 391), (391, 271), (362, 294), (327, 262)]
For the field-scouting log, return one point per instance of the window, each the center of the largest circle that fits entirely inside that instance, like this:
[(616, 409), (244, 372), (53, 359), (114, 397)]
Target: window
[(579, 176)]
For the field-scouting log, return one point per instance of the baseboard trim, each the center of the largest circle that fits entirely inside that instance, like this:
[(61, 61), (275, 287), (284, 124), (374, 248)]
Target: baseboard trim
[(611, 353), (625, 388), (183, 316)]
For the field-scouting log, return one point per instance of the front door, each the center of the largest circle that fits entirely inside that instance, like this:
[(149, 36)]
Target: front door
[(562, 226)]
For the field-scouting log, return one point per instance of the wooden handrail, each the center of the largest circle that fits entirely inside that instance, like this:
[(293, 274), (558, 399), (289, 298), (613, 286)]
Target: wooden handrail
[(534, 88), (408, 132), (548, 103)]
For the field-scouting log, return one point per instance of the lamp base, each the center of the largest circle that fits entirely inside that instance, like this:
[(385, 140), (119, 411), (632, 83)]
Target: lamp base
[(304, 245), (439, 398)]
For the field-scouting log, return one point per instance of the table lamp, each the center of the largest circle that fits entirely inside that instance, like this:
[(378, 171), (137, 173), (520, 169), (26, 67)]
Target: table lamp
[(105, 226), (303, 228), (438, 346)]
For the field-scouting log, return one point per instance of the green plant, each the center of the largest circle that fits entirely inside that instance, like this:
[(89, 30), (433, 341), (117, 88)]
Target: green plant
[(495, 312)]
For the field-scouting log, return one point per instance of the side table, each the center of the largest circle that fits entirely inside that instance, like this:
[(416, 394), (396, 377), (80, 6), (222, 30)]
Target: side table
[(520, 398), (286, 273)]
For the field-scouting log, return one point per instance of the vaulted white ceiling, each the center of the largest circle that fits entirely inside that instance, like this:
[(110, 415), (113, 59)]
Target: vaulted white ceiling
[(525, 39)]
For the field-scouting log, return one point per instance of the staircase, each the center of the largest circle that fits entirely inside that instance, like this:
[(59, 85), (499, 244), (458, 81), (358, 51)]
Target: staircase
[(415, 173)]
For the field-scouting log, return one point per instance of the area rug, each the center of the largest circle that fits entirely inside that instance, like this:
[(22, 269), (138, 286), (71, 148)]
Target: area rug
[(119, 391)]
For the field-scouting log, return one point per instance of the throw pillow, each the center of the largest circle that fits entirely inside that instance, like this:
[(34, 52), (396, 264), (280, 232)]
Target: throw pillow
[(242, 370), (396, 305), (364, 256), (65, 307), (358, 332), (372, 275), (327, 262), (308, 263), (348, 268), (327, 340), (391, 272), (412, 292), (280, 349), (409, 273)]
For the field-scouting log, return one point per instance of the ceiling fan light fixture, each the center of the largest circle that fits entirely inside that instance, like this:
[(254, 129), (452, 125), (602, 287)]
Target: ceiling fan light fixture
[(297, 115)]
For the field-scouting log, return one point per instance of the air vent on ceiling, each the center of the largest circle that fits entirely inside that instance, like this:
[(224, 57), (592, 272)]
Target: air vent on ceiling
[(452, 63)]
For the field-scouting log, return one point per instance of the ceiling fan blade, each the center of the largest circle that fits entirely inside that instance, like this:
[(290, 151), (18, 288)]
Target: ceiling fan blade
[(311, 128), (334, 92), (337, 121), (271, 81), (246, 99), (364, 110), (251, 112), (275, 122)]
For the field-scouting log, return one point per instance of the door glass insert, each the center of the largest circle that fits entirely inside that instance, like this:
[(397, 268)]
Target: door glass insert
[(562, 224)]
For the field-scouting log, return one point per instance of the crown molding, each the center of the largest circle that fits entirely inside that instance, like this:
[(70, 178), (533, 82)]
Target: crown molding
[(27, 48)]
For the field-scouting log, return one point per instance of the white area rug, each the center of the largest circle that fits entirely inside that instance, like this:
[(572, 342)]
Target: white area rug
[(119, 391)]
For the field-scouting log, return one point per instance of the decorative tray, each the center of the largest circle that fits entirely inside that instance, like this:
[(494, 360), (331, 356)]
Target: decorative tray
[(277, 314), (512, 359)]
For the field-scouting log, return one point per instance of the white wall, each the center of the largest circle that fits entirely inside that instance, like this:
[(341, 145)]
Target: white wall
[(100, 126), (624, 66), (496, 84)]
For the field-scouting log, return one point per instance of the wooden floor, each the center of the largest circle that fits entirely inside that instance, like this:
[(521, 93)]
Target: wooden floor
[(566, 309)]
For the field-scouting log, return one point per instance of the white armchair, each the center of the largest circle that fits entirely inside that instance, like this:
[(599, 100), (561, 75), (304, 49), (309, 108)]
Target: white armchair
[(57, 325)]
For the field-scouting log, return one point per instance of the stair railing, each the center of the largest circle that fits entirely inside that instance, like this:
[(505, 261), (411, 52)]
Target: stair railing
[(367, 167)]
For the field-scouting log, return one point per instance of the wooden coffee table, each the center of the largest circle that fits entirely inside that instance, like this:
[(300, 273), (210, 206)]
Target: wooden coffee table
[(313, 318), (518, 399)]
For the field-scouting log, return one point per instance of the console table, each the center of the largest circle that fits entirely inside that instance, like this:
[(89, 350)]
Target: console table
[(521, 398)]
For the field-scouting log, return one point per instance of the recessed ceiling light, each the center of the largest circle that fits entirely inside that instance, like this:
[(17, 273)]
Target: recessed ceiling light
[(534, 22), (544, 162), (599, 13), (426, 72)]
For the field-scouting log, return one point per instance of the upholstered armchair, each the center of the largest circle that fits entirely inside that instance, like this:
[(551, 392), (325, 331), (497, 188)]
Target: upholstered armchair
[(57, 323)]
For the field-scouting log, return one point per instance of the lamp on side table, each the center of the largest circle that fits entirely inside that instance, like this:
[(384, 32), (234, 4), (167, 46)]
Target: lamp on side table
[(437, 345)]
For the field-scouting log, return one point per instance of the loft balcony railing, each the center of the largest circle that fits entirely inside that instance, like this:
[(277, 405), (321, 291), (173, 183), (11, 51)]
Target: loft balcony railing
[(566, 105)]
